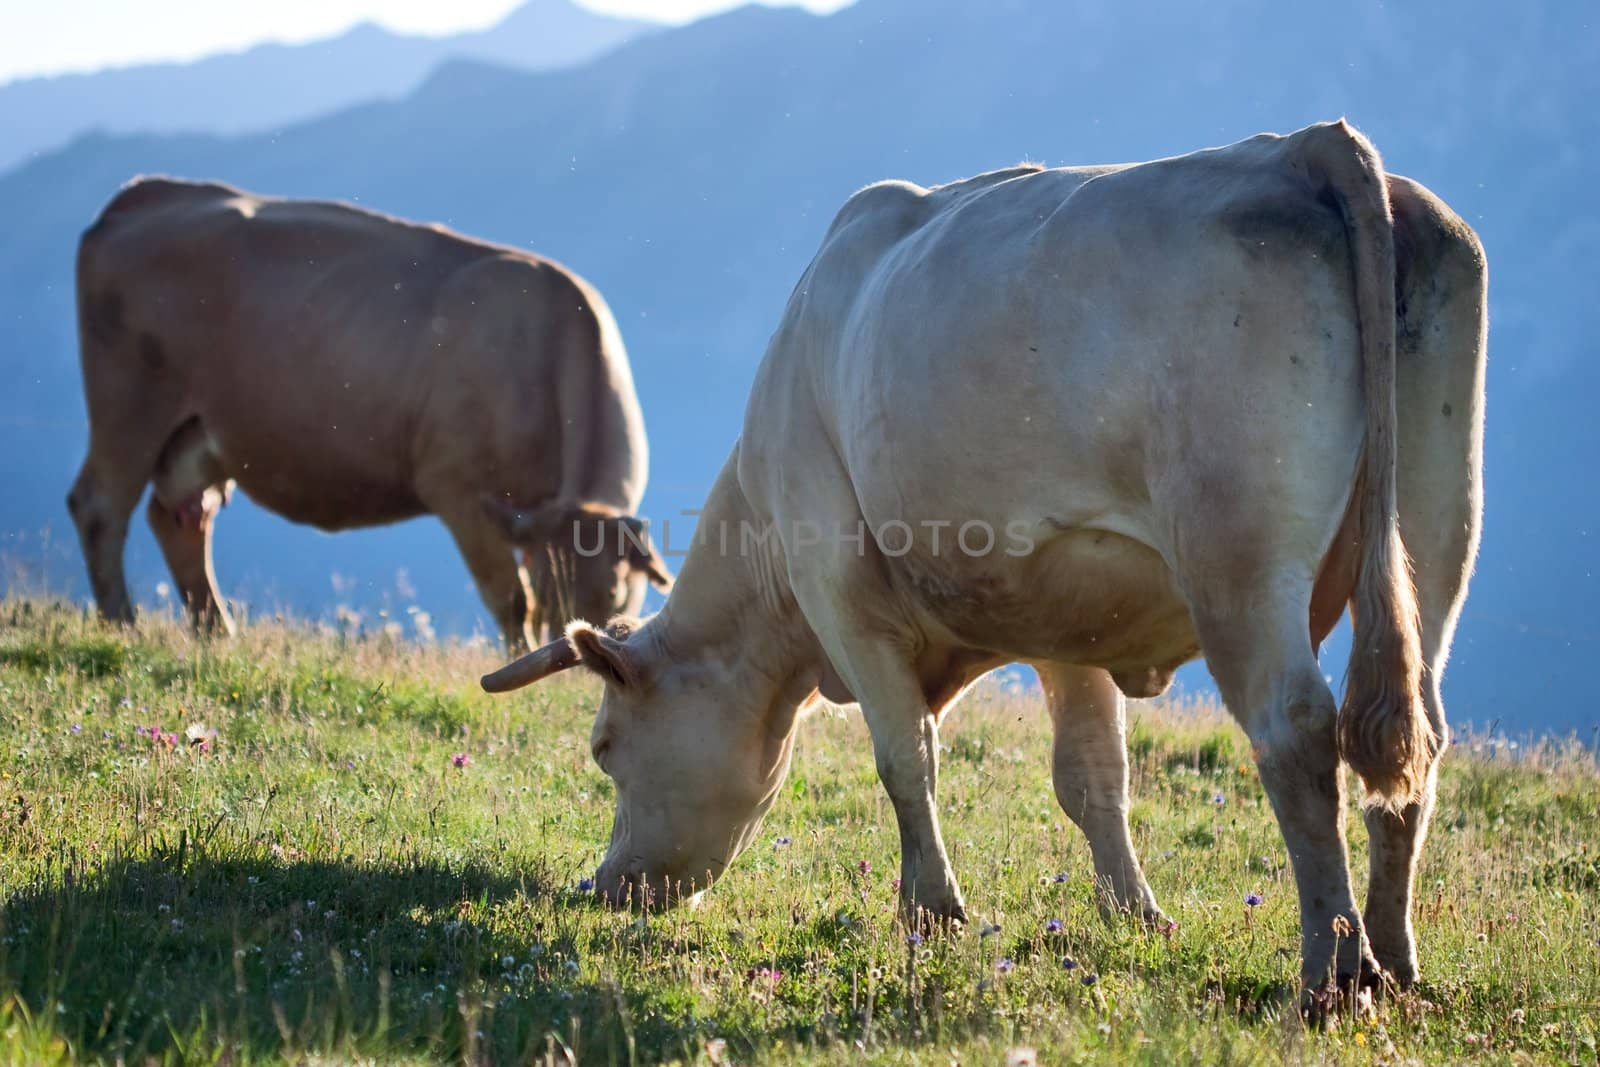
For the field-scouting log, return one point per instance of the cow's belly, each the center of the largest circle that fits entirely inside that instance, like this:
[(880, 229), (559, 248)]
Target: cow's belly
[(1083, 596), (316, 481)]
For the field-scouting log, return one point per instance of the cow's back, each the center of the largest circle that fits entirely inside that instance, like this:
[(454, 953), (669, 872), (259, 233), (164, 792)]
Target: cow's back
[(1092, 358), (339, 357)]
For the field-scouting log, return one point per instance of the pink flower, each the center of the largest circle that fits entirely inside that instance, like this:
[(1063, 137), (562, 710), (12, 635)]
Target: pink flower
[(461, 760)]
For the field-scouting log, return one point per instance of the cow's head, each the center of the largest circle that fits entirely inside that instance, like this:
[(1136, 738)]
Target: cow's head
[(585, 560), (696, 749)]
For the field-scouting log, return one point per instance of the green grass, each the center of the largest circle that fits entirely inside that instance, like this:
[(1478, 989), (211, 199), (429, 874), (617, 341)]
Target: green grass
[(322, 885)]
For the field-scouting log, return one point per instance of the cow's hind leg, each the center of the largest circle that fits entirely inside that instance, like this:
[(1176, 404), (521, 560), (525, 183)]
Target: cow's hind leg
[(1258, 647), (1090, 771), (101, 501), (183, 530), (1439, 392)]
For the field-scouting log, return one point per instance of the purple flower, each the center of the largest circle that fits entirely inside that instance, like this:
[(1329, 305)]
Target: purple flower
[(1068, 963), (1005, 966), (460, 760), (1090, 979), (864, 867), (586, 885), (895, 885), (349, 764), (913, 938), (76, 728), (783, 842), (1218, 799), (1058, 879), (1253, 900), (1053, 926)]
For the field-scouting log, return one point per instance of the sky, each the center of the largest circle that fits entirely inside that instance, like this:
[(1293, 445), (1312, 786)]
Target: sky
[(60, 36)]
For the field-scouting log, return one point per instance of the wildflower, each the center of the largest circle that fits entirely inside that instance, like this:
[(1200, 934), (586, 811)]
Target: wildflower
[(864, 867), (1060, 878), (1005, 966), (198, 733), (1068, 963), (1090, 979), (1218, 799), (769, 975), (913, 939), (77, 728), (895, 885), (349, 764), (783, 842), (1252, 900), (586, 885), (1168, 928), (296, 936), (169, 739), (1053, 926), (460, 760)]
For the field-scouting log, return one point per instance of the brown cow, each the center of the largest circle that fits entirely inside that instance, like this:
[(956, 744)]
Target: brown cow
[(351, 369)]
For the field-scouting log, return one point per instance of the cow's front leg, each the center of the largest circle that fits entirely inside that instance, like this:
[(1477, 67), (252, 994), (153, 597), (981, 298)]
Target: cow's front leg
[(905, 745), (1090, 771)]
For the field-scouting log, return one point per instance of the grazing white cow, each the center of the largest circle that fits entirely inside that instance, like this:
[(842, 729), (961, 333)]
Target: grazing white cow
[(1099, 420)]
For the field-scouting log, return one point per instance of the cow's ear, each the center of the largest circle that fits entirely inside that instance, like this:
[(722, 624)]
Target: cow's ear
[(642, 554), (604, 654)]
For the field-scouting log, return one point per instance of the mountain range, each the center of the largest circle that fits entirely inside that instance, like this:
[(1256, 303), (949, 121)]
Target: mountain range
[(690, 173), (274, 85)]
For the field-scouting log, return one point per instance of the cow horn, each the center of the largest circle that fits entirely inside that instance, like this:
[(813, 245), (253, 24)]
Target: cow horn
[(540, 663)]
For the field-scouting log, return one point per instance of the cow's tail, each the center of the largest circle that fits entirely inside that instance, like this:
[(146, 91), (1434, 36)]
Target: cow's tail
[(1384, 732)]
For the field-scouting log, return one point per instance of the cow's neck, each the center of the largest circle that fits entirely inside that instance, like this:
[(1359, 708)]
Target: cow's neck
[(731, 603)]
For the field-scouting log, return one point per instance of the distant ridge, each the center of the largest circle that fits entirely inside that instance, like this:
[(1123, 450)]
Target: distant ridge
[(278, 84)]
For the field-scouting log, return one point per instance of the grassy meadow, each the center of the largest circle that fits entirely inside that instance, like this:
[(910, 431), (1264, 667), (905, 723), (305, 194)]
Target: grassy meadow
[(314, 846)]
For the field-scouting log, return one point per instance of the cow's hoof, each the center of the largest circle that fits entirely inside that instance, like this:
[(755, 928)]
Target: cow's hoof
[(1399, 965), (931, 919), (1351, 994)]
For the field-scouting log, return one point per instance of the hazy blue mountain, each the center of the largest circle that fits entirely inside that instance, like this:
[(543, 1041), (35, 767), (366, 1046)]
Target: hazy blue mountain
[(275, 84), (691, 173)]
